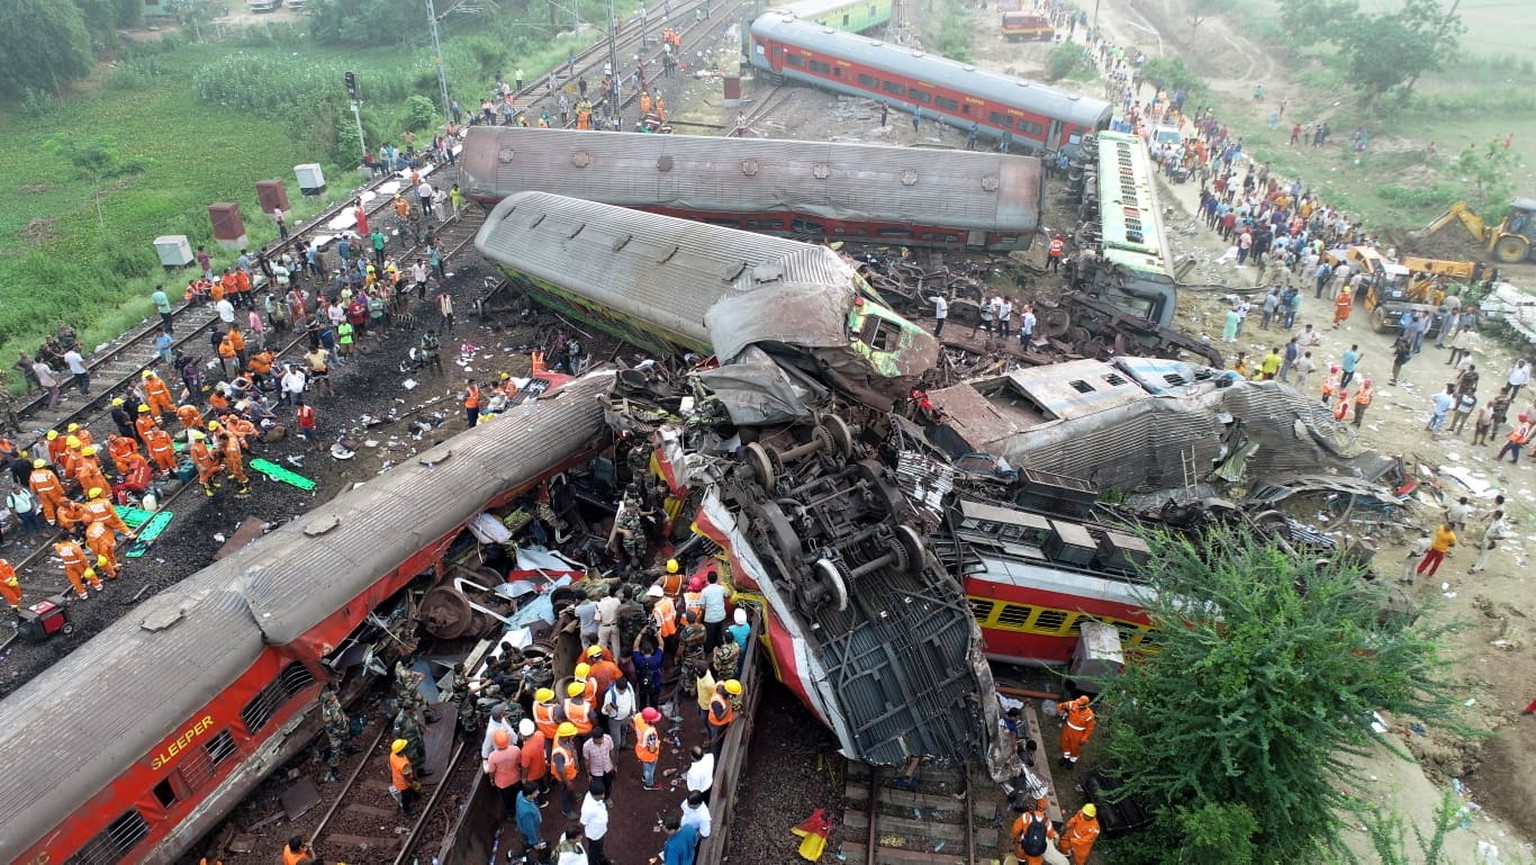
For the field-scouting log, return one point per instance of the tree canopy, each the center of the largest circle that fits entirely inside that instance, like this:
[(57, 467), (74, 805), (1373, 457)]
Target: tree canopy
[(1268, 671), (48, 46), (1390, 51)]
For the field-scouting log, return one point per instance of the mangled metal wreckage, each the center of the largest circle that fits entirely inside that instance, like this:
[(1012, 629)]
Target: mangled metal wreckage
[(783, 454)]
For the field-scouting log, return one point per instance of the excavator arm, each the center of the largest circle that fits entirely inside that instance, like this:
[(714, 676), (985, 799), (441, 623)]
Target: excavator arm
[(1460, 212)]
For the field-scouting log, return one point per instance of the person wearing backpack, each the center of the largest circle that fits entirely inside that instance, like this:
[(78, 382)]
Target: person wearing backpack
[(1032, 834), (24, 504)]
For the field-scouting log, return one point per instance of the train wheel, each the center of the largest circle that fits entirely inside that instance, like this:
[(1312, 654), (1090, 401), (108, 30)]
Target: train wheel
[(842, 437), (1055, 323), (832, 578), (761, 464), (781, 533), (911, 544), (1511, 249)]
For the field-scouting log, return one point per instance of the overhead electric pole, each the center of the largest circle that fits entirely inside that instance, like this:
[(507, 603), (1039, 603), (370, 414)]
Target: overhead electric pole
[(437, 58)]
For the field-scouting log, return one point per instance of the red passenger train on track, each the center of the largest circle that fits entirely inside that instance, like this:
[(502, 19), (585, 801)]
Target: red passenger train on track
[(139, 742), (1030, 116)]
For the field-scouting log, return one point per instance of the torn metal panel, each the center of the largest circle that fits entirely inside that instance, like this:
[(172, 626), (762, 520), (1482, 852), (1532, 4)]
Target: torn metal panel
[(756, 391)]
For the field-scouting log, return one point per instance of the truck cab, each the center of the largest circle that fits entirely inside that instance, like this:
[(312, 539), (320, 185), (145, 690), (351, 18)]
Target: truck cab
[(1018, 26)]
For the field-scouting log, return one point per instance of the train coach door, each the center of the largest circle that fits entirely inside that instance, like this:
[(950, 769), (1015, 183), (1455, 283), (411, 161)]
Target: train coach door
[(1053, 135)]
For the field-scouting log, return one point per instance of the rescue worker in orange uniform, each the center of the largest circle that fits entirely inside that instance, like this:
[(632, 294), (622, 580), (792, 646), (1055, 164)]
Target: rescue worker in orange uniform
[(204, 460), (402, 777), (1054, 253), (296, 851), (564, 768), (70, 459), (99, 510), (48, 489), (261, 364), (1343, 304), (471, 402), (10, 587), (81, 433), (1079, 835), (100, 540), (162, 451), (157, 395), (1076, 729), (122, 449), (240, 428), (136, 478), (189, 417), (229, 359), (1032, 834), (647, 745), (578, 712), (722, 711), (664, 617), (144, 423), (56, 446), (88, 472), (76, 567), (672, 581), (546, 712), (234, 464)]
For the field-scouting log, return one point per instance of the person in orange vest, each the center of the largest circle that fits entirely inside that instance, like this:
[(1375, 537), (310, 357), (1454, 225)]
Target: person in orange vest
[(1077, 728), (157, 395), (647, 745), (535, 758), (81, 433), (204, 460), (672, 580), (563, 767), (190, 417), (1517, 439), (76, 567), (56, 446), (10, 587), (1363, 399), (722, 711), (661, 108), (145, 422), (589, 684), (1080, 833), (578, 712), (234, 463), (71, 515), (1032, 833), (88, 471), (296, 851), (663, 617), (1054, 253), (98, 510), (1341, 407), (402, 777), (45, 485), (100, 540), (546, 712), (471, 402), (136, 478), (162, 451), (70, 459), (229, 359), (121, 449)]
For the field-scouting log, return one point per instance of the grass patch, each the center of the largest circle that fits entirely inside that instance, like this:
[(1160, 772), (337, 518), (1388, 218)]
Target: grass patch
[(947, 28)]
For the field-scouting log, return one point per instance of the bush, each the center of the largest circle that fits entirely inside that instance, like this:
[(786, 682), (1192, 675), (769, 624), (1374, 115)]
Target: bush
[(1063, 60), (420, 113), (1174, 75)]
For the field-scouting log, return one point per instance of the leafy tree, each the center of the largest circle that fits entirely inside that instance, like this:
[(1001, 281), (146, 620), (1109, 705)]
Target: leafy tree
[(96, 159), (366, 22), (1174, 75), (420, 113), (1063, 60), (1389, 51), (1490, 172), (130, 13), (1268, 672), (47, 46), (1387, 836), (1309, 22)]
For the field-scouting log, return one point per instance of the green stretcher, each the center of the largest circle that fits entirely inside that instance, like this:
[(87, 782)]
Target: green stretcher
[(278, 473), (147, 526)]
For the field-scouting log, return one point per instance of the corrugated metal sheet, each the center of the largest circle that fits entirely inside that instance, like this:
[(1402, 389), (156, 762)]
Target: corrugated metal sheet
[(1076, 388), (662, 270), (933, 69), (104, 706), (956, 189)]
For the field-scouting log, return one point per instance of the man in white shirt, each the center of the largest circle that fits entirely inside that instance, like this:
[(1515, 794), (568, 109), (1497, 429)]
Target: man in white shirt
[(940, 313), (701, 773), (696, 814), (226, 311), (47, 380), (594, 823), (618, 707), (1027, 322), (76, 365), (498, 721), (713, 597)]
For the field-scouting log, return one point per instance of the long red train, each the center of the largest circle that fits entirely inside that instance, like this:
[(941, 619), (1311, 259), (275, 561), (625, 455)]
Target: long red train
[(138, 743)]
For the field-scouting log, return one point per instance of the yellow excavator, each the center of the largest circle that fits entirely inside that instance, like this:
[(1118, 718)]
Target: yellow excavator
[(1511, 241)]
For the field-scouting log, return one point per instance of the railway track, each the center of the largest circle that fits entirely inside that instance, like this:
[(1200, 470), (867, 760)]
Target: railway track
[(769, 103), (922, 814)]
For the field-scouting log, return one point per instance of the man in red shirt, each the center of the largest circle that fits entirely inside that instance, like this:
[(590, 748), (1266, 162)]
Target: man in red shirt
[(307, 420), (505, 766)]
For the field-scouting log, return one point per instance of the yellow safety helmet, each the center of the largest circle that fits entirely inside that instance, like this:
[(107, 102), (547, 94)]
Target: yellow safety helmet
[(732, 687), (575, 689), (543, 695), (72, 441), (101, 561), (143, 409), (37, 464), (213, 425), (90, 574), (74, 427), (565, 729), (672, 566), (1090, 810), (195, 436), (149, 373), (52, 434), (398, 745), (88, 450), (95, 493), (583, 671), (117, 402), (594, 651)]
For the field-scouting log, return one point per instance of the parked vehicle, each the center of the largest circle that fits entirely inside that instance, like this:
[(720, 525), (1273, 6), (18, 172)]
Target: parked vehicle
[(1021, 26)]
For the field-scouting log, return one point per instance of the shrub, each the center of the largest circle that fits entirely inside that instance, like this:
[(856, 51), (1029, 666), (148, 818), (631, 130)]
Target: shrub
[(420, 113), (1063, 60)]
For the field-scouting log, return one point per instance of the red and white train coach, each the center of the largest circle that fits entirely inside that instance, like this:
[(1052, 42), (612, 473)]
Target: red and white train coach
[(139, 742)]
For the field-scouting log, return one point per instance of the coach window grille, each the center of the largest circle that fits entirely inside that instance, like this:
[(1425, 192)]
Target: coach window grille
[(981, 609), (114, 842), (291, 681), (1014, 616), (1051, 620)]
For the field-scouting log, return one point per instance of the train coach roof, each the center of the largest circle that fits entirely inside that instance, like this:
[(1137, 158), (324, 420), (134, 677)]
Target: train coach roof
[(960, 189), (109, 703), (932, 69), (313, 566), (656, 268)]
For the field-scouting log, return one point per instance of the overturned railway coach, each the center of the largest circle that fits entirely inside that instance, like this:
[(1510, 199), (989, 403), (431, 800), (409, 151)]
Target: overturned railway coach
[(138, 743), (810, 190), (1027, 115)]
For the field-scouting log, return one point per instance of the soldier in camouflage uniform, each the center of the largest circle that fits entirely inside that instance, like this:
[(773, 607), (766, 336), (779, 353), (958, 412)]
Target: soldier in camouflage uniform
[(408, 693), (338, 732), (408, 727), (690, 646), (632, 617), (631, 527), (464, 698), (725, 660)]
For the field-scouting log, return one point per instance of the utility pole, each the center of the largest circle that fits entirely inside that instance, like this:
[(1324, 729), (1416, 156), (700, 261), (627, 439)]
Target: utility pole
[(613, 59), (437, 58)]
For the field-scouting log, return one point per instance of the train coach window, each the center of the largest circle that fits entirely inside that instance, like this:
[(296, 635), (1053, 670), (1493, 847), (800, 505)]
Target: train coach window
[(946, 103), (794, 60), (114, 842), (879, 334), (820, 68), (164, 794), (919, 95), (894, 88), (1000, 118), (1031, 128), (981, 609), (868, 81), (1014, 616), (1051, 620), (292, 680)]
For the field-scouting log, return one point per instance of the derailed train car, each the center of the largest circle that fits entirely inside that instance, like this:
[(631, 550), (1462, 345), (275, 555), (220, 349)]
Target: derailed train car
[(665, 284), (136, 744), (811, 190)]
